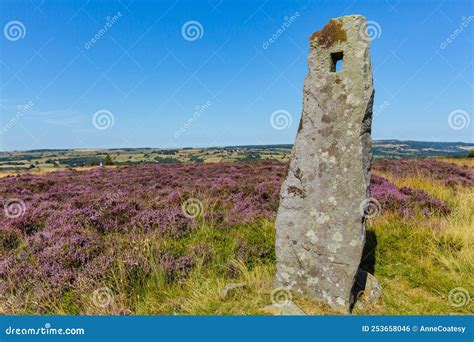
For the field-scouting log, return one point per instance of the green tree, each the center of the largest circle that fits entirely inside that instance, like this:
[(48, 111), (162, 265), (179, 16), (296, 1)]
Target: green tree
[(108, 160)]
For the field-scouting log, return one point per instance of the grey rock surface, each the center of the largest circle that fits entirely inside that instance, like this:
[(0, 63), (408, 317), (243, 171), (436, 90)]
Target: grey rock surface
[(320, 222), (287, 309), (367, 289)]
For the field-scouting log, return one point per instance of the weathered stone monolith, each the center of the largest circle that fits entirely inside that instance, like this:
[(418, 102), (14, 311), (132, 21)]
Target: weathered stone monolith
[(320, 222)]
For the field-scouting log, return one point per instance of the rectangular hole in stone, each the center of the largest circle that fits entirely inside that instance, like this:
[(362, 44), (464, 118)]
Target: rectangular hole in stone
[(336, 61)]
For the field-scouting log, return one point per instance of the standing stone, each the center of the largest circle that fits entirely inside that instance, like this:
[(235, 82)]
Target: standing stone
[(320, 222)]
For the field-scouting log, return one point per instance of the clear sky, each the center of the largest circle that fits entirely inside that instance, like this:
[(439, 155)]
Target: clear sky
[(207, 73)]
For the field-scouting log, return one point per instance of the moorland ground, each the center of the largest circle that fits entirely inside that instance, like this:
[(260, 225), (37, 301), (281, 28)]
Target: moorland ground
[(169, 238)]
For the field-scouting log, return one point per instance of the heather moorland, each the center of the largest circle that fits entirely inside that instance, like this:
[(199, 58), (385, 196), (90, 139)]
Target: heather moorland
[(171, 238)]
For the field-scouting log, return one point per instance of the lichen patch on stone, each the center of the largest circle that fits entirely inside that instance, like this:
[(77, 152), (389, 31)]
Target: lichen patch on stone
[(330, 34), (296, 191)]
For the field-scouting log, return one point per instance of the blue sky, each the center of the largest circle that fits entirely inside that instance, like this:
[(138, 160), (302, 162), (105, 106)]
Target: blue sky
[(162, 86)]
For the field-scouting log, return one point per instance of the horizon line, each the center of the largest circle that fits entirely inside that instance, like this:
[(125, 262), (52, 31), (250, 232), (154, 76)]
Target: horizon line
[(216, 146)]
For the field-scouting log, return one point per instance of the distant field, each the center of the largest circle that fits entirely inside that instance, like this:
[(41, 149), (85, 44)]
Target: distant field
[(35, 161), (41, 161)]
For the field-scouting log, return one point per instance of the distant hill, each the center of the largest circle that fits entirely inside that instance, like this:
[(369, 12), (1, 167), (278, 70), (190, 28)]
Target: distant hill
[(45, 159), (394, 149)]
